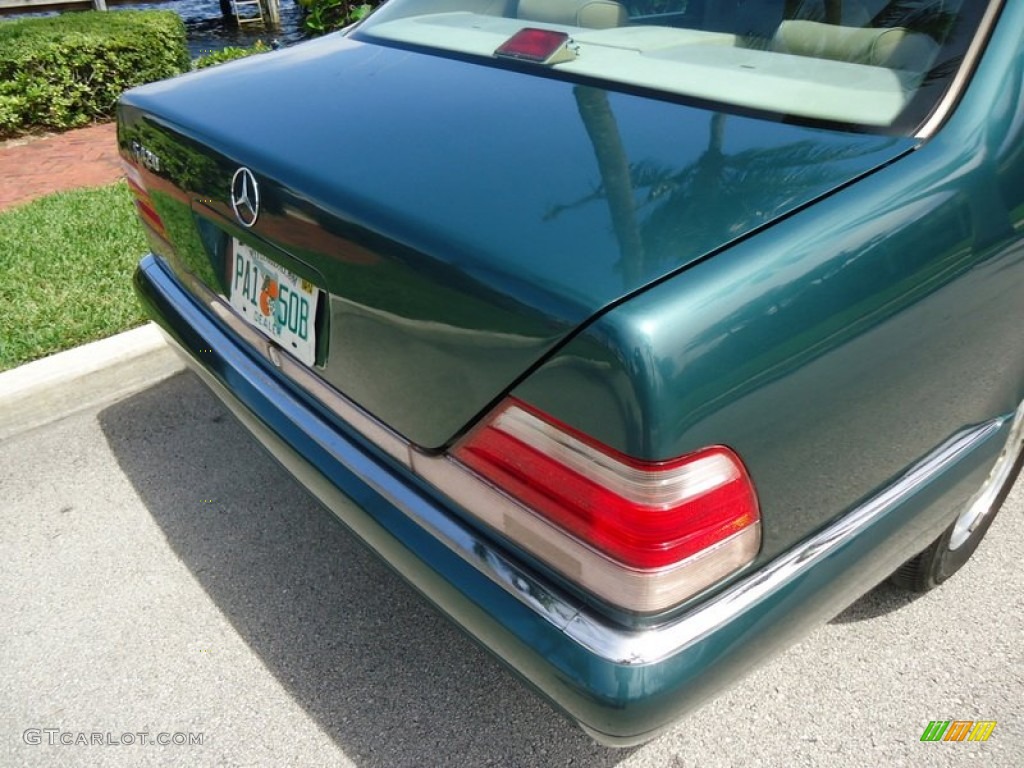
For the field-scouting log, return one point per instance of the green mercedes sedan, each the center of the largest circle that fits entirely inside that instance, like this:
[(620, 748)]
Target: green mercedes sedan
[(641, 337)]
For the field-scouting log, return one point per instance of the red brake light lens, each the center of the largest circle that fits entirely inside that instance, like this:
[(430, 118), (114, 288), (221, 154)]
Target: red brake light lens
[(531, 44), (143, 201), (645, 515)]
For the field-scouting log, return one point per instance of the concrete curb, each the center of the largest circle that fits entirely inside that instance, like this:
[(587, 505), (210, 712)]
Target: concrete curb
[(100, 372)]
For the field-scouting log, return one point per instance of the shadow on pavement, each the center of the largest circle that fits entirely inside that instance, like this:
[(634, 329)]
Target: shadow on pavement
[(883, 599), (388, 678)]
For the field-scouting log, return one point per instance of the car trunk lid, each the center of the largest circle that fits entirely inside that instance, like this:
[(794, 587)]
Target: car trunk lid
[(463, 219)]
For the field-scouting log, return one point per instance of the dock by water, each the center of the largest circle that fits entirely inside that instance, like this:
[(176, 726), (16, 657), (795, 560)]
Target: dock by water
[(269, 10)]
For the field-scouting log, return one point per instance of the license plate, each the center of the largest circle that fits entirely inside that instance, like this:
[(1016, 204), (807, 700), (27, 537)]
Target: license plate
[(279, 303)]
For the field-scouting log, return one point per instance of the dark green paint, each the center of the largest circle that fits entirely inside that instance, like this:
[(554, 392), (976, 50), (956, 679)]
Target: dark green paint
[(832, 349), (839, 346), (623, 703), (462, 243)]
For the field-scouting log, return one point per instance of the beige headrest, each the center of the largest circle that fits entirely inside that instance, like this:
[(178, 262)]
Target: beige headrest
[(592, 14), (895, 48)]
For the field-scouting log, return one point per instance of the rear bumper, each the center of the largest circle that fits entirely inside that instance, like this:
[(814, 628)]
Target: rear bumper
[(621, 685)]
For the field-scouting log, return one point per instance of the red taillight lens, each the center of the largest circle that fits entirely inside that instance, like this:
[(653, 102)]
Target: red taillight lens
[(645, 515), (143, 202)]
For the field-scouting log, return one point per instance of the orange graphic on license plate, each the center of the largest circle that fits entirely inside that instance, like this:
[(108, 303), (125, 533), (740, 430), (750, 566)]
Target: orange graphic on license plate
[(268, 295)]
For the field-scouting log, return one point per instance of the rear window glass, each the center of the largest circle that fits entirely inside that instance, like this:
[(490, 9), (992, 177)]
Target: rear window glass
[(880, 64)]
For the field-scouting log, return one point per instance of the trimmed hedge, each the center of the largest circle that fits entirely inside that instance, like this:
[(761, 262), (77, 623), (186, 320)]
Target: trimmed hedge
[(66, 71), (228, 54)]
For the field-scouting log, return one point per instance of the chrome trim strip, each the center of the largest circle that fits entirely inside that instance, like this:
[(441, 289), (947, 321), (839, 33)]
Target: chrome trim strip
[(349, 412), (643, 590), (963, 73), (591, 630), (631, 647), (463, 541), (983, 503)]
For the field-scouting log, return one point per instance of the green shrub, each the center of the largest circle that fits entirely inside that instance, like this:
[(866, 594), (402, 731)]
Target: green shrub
[(226, 54), (65, 71), (323, 16)]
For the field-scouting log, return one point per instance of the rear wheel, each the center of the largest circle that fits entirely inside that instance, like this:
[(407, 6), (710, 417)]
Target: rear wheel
[(948, 553)]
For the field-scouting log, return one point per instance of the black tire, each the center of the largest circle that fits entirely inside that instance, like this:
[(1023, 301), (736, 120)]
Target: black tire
[(948, 553)]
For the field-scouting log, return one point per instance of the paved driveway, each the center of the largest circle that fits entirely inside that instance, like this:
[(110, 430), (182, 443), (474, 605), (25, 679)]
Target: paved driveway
[(160, 575)]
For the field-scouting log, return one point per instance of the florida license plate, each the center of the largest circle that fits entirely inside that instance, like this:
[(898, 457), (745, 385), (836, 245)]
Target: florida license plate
[(279, 303)]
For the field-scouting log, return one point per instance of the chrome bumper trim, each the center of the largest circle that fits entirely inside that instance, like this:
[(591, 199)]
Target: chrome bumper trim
[(670, 639), (985, 501), (644, 590), (589, 629)]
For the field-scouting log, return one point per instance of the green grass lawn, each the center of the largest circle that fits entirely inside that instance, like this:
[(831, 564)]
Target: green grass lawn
[(65, 271)]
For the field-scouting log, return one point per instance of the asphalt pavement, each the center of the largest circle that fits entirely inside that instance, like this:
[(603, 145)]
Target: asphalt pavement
[(162, 579)]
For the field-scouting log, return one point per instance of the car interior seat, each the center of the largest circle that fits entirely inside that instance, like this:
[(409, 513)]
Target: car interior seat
[(592, 14), (892, 47)]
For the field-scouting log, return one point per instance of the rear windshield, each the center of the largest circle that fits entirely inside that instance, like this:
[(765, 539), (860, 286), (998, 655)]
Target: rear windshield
[(881, 64)]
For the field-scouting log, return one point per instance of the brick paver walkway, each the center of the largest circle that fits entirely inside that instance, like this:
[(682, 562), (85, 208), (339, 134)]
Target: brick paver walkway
[(31, 168)]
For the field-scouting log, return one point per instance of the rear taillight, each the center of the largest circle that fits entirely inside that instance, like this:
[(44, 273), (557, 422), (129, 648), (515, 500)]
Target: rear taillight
[(143, 201), (662, 530)]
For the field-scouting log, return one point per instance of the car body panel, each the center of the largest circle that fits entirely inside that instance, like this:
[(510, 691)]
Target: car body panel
[(520, 222), (623, 685), (799, 347), (862, 354)]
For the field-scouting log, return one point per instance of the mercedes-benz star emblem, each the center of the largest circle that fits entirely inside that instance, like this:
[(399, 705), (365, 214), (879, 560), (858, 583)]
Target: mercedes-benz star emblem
[(245, 197)]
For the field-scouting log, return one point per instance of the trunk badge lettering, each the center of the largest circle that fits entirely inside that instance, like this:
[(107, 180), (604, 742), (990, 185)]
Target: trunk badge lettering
[(144, 157)]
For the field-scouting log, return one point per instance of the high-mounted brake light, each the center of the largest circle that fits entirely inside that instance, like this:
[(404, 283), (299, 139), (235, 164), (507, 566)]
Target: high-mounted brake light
[(670, 528), (540, 46)]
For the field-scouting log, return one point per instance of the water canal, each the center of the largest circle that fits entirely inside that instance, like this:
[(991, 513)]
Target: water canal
[(208, 31)]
